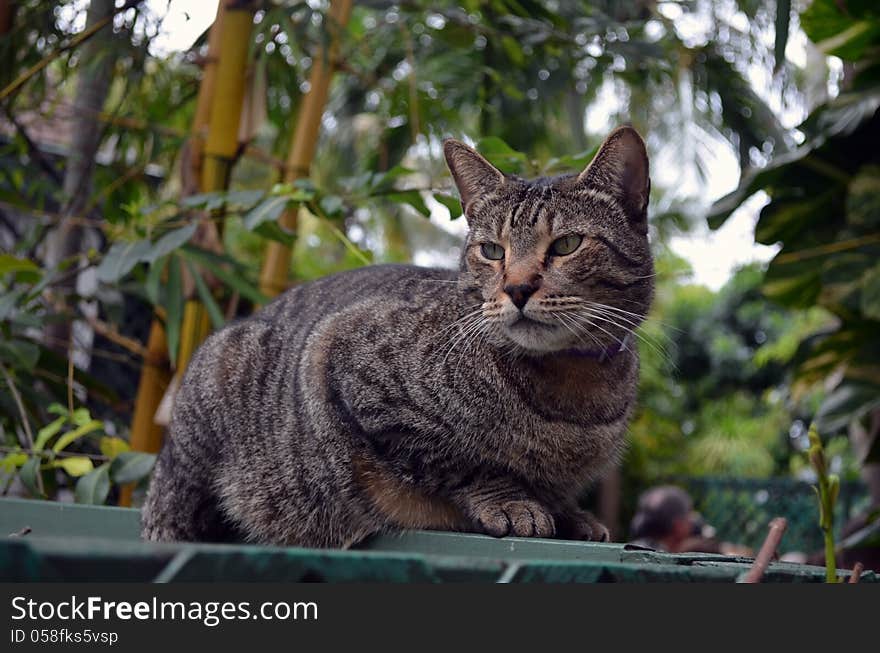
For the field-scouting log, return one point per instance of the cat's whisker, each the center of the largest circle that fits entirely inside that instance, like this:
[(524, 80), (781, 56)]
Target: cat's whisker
[(478, 309), (462, 335), (473, 340), (640, 316), (658, 349), (597, 326), (566, 321), (633, 325)]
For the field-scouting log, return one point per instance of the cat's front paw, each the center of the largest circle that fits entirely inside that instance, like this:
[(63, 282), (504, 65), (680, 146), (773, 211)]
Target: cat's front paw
[(582, 525), (521, 518)]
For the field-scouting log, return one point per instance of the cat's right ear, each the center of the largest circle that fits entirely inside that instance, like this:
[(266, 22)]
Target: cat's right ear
[(473, 175)]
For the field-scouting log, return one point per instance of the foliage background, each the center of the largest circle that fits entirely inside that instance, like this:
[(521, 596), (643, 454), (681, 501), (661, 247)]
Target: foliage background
[(732, 378)]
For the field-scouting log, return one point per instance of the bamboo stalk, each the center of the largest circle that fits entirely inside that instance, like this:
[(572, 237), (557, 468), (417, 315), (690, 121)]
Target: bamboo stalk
[(273, 276), (227, 98), (206, 95), (228, 77), (146, 435)]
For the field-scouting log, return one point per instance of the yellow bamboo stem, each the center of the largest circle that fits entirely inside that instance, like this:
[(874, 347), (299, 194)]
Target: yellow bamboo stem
[(195, 327), (146, 435), (229, 79), (227, 100), (273, 276), (206, 95)]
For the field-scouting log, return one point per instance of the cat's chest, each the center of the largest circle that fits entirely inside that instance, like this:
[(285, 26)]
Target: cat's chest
[(562, 425)]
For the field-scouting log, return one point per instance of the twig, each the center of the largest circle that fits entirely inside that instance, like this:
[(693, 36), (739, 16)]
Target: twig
[(24, 419), (55, 454), (110, 332), (74, 42), (70, 378), (832, 248), (767, 551), (856, 573)]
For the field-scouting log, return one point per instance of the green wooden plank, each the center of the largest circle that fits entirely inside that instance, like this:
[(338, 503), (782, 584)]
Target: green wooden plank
[(67, 542), (507, 548), (53, 518)]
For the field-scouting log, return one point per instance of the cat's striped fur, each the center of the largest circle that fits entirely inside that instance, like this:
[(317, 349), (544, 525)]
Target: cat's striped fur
[(401, 397)]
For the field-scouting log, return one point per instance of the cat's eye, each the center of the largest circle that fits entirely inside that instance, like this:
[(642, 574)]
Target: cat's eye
[(565, 245), (492, 251)]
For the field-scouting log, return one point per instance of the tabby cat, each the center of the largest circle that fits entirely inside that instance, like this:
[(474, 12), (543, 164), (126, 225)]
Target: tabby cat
[(395, 396)]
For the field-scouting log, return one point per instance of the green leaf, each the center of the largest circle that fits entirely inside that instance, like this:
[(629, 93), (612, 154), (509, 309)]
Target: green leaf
[(863, 199), (382, 182), (74, 465), (170, 242), (81, 416), (154, 280), (870, 299), (216, 315), (206, 201), (571, 162), (57, 409), (131, 466), (9, 301), (331, 205), (173, 306), (45, 434), (112, 446), (94, 487), (28, 475), (233, 280), (274, 231), (269, 210), (451, 203), (121, 259), (69, 438), (23, 268), (849, 401), (413, 198), (501, 155), (12, 461), (19, 353)]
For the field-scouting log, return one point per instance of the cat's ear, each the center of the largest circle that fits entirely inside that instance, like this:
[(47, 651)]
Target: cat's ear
[(473, 175), (621, 168)]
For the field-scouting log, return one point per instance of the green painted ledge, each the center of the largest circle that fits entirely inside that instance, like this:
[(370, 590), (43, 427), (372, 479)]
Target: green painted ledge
[(69, 542)]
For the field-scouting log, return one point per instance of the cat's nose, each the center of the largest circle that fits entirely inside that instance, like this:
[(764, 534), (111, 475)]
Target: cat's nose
[(520, 293)]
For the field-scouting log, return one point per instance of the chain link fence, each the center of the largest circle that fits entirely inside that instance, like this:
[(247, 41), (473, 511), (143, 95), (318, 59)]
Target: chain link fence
[(741, 509)]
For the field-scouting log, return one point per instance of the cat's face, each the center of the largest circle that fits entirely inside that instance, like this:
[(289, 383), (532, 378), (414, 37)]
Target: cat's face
[(560, 263)]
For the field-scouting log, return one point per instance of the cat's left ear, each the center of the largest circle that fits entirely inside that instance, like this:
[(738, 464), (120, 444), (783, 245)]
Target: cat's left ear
[(621, 168)]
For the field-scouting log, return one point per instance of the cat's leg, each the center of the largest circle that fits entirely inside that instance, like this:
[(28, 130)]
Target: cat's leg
[(574, 523), (500, 507)]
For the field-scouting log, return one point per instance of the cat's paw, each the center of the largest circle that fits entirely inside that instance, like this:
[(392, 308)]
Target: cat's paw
[(582, 525), (521, 518)]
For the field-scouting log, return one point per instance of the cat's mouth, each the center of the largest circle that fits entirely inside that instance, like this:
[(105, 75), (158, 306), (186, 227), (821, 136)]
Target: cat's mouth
[(534, 335), (523, 322)]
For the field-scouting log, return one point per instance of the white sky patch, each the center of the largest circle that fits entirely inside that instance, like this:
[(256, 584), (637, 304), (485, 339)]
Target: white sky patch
[(184, 22), (713, 255)]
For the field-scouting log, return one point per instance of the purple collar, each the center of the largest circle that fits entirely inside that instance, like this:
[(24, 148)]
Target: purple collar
[(600, 355)]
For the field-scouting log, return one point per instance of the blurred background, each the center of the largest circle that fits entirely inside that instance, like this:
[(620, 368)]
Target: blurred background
[(166, 166)]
